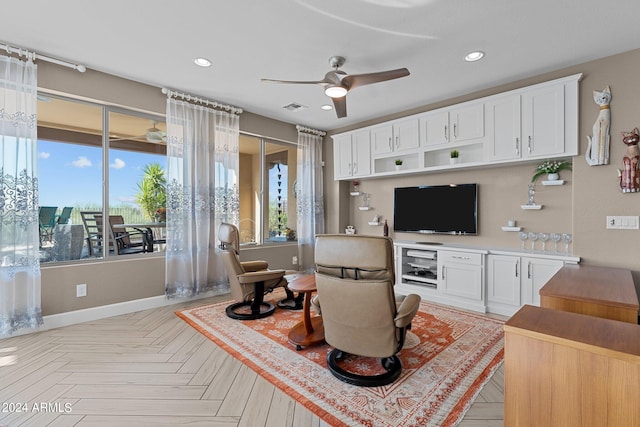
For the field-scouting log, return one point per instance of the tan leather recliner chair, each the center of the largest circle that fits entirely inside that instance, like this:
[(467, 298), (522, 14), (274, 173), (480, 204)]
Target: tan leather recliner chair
[(355, 277), (249, 280)]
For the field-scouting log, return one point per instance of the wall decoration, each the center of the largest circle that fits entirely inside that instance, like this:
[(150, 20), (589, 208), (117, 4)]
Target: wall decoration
[(598, 149), (629, 175), (551, 168)]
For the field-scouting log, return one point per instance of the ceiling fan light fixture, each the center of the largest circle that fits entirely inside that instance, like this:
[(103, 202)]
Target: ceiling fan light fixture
[(474, 56), (202, 62), (326, 107), (335, 91)]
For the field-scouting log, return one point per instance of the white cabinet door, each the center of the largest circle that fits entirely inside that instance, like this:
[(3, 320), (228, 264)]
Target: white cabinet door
[(535, 273), (543, 121), (503, 285), (382, 139), (342, 163), (405, 135), (434, 128), (467, 122), (460, 274), (504, 140), (361, 154)]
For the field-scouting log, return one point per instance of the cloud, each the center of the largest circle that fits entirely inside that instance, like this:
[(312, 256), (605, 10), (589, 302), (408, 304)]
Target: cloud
[(117, 164), (82, 162), (43, 155)]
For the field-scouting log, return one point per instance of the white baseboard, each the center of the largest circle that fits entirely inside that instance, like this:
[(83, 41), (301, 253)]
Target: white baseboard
[(95, 313)]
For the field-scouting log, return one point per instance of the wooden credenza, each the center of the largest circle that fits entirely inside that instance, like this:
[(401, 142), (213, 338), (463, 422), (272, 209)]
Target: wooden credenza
[(568, 369), (597, 291)]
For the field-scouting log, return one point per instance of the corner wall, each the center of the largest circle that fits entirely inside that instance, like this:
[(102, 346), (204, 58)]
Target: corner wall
[(128, 279), (580, 206)]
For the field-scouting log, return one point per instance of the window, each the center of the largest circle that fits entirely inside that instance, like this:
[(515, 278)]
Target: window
[(123, 176), (71, 173), (267, 199)]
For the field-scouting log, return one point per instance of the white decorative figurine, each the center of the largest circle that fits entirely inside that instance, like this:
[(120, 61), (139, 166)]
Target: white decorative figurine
[(598, 149)]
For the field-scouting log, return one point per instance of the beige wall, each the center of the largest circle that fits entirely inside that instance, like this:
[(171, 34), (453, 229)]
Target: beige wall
[(121, 280), (580, 206)]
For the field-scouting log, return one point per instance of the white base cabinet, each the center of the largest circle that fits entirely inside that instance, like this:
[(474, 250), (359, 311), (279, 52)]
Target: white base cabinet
[(453, 277), (513, 281), (478, 279)]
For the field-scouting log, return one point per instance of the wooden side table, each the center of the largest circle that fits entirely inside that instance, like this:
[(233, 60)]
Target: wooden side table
[(310, 331)]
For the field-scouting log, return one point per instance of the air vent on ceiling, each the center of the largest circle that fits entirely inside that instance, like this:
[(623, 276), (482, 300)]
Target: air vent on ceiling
[(294, 106)]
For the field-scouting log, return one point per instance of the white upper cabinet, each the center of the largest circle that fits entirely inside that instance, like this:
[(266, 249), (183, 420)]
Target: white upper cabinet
[(352, 155), (397, 136), (531, 123), (504, 128), (466, 122), (536, 122), (452, 125), (543, 121), (434, 128)]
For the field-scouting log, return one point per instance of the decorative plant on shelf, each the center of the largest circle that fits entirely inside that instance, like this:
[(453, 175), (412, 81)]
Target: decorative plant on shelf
[(455, 154), (551, 167), (398, 162)]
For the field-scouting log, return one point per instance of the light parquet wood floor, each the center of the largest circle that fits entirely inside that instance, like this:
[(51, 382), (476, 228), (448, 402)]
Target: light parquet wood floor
[(151, 369)]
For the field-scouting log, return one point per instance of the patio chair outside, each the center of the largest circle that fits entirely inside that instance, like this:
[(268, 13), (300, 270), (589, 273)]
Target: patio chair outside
[(63, 218), (47, 218), (123, 242), (93, 229)]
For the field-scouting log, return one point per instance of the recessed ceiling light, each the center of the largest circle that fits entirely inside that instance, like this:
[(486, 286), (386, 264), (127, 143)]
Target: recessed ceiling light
[(202, 62), (474, 56), (327, 107)]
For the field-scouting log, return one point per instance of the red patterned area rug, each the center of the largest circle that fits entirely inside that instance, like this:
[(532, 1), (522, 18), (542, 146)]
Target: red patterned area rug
[(448, 356)]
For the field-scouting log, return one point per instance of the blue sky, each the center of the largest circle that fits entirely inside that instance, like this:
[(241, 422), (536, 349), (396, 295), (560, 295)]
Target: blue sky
[(71, 174)]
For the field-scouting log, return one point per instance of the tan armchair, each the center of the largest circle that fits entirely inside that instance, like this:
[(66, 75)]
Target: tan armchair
[(249, 280), (360, 312)]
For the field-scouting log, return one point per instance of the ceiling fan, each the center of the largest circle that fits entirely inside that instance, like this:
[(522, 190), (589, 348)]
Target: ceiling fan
[(153, 134), (337, 83)]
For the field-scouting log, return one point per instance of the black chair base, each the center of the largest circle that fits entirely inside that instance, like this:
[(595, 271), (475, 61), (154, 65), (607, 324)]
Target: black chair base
[(257, 312), (392, 366), (291, 302)]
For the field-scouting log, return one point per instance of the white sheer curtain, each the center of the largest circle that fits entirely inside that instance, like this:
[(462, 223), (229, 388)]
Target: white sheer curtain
[(19, 228), (310, 197), (202, 192)]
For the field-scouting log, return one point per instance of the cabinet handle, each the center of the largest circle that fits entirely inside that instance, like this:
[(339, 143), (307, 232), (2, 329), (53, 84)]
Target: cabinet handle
[(442, 272), (529, 270), (397, 142), (350, 169), (529, 145), (355, 167), (390, 146), (460, 257), (517, 262), (517, 146), (446, 133), (455, 130)]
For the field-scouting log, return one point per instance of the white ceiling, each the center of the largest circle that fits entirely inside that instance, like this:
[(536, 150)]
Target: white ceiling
[(156, 41)]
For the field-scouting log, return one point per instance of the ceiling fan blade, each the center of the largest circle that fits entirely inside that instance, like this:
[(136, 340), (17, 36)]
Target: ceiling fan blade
[(340, 105), (317, 82), (355, 80)]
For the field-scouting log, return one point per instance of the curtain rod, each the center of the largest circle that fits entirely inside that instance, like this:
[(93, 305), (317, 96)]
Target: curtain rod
[(34, 55), (309, 130), (197, 99)]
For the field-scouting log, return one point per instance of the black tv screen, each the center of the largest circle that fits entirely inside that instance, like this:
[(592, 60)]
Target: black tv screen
[(446, 209)]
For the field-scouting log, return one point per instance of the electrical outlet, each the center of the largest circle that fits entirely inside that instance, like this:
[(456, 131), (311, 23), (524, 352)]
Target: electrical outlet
[(294, 260), (623, 222), (81, 290)]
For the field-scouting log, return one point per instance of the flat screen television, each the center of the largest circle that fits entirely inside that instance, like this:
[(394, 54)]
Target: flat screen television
[(442, 209)]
